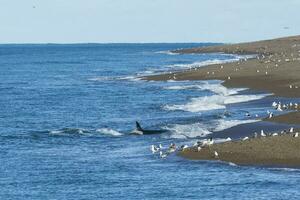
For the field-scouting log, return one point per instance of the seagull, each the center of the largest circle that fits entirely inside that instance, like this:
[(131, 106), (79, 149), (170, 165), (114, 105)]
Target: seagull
[(210, 142), (275, 134), (199, 149), (271, 115), (162, 155), (274, 104), (216, 154), (154, 149), (291, 130), (184, 147), (172, 148), (279, 107), (296, 135), (245, 138), (255, 135), (262, 133)]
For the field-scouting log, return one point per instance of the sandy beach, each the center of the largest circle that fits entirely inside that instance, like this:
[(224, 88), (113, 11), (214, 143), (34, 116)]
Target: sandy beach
[(275, 69), (282, 150)]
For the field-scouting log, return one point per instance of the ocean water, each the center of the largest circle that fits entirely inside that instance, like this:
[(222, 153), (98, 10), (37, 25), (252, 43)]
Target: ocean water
[(66, 113)]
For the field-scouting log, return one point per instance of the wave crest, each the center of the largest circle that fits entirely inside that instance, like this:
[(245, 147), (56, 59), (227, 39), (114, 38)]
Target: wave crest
[(179, 131), (108, 131)]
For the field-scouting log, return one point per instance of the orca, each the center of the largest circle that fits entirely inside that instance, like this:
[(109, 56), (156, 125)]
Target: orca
[(140, 131)]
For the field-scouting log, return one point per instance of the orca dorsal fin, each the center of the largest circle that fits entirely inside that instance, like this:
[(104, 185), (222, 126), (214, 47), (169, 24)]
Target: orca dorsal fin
[(138, 126)]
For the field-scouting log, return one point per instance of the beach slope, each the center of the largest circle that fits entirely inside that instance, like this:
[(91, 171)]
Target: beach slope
[(282, 150)]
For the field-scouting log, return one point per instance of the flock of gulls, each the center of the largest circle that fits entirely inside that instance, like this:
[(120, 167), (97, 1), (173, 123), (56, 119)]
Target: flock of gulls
[(199, 145), (207, 143), (270, 61), (164, 152)]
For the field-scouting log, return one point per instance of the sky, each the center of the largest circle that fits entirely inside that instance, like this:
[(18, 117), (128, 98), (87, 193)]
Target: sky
[(135, 21)]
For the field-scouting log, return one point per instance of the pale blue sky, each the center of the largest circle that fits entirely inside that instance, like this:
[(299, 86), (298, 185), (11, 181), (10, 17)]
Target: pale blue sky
[(76, 21)]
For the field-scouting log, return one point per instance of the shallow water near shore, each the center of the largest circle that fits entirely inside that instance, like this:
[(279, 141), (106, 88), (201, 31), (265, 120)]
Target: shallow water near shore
[(67, 111)]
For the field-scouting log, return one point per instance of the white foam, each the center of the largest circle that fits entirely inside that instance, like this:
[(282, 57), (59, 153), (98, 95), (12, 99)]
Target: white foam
[(216, 88), (54, 132), (225, 124), (232, 164), (180, 131), (130, 78), (167, 52), (203, 63), (108, 131), (100, 78), (213, 102)]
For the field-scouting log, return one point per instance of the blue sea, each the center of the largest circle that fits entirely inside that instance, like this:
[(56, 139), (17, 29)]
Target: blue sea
[(67, 111)]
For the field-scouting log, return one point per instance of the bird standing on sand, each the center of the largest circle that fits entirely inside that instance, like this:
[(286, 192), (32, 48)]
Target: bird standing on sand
[(291, 130), (275, 134), (255, 135), (199, 149), (245, 138), (296, 135), (216, 154), (184, 147), (262, 133), (210, 141)]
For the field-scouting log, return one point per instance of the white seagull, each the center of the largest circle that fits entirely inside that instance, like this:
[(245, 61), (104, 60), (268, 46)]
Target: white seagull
[(216, 154), (296, 134), (162, 155), (262, 133)]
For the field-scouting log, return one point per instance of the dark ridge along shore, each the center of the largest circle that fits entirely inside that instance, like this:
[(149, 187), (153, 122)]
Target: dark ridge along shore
[(274, 68)]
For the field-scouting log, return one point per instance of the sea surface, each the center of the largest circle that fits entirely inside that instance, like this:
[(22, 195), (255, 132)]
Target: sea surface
[(67, 111)]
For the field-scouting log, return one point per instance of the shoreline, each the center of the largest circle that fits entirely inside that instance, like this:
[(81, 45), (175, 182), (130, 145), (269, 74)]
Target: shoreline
[(274, 70), (262, 151)]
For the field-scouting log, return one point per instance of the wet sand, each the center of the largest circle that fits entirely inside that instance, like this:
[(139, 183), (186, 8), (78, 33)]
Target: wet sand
[(275, 69), (281, 151)]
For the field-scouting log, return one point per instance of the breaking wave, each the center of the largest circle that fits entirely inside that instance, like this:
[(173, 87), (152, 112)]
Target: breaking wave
[(69, 131), (222, 96), (203, 63), (180, 131), (108, 131), (215, 88)]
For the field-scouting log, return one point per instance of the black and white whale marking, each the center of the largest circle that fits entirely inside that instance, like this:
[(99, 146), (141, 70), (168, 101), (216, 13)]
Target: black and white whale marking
[(140, 131)]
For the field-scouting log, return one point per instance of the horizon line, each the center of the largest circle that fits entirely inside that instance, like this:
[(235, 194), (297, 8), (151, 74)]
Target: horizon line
[(84, 43)]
